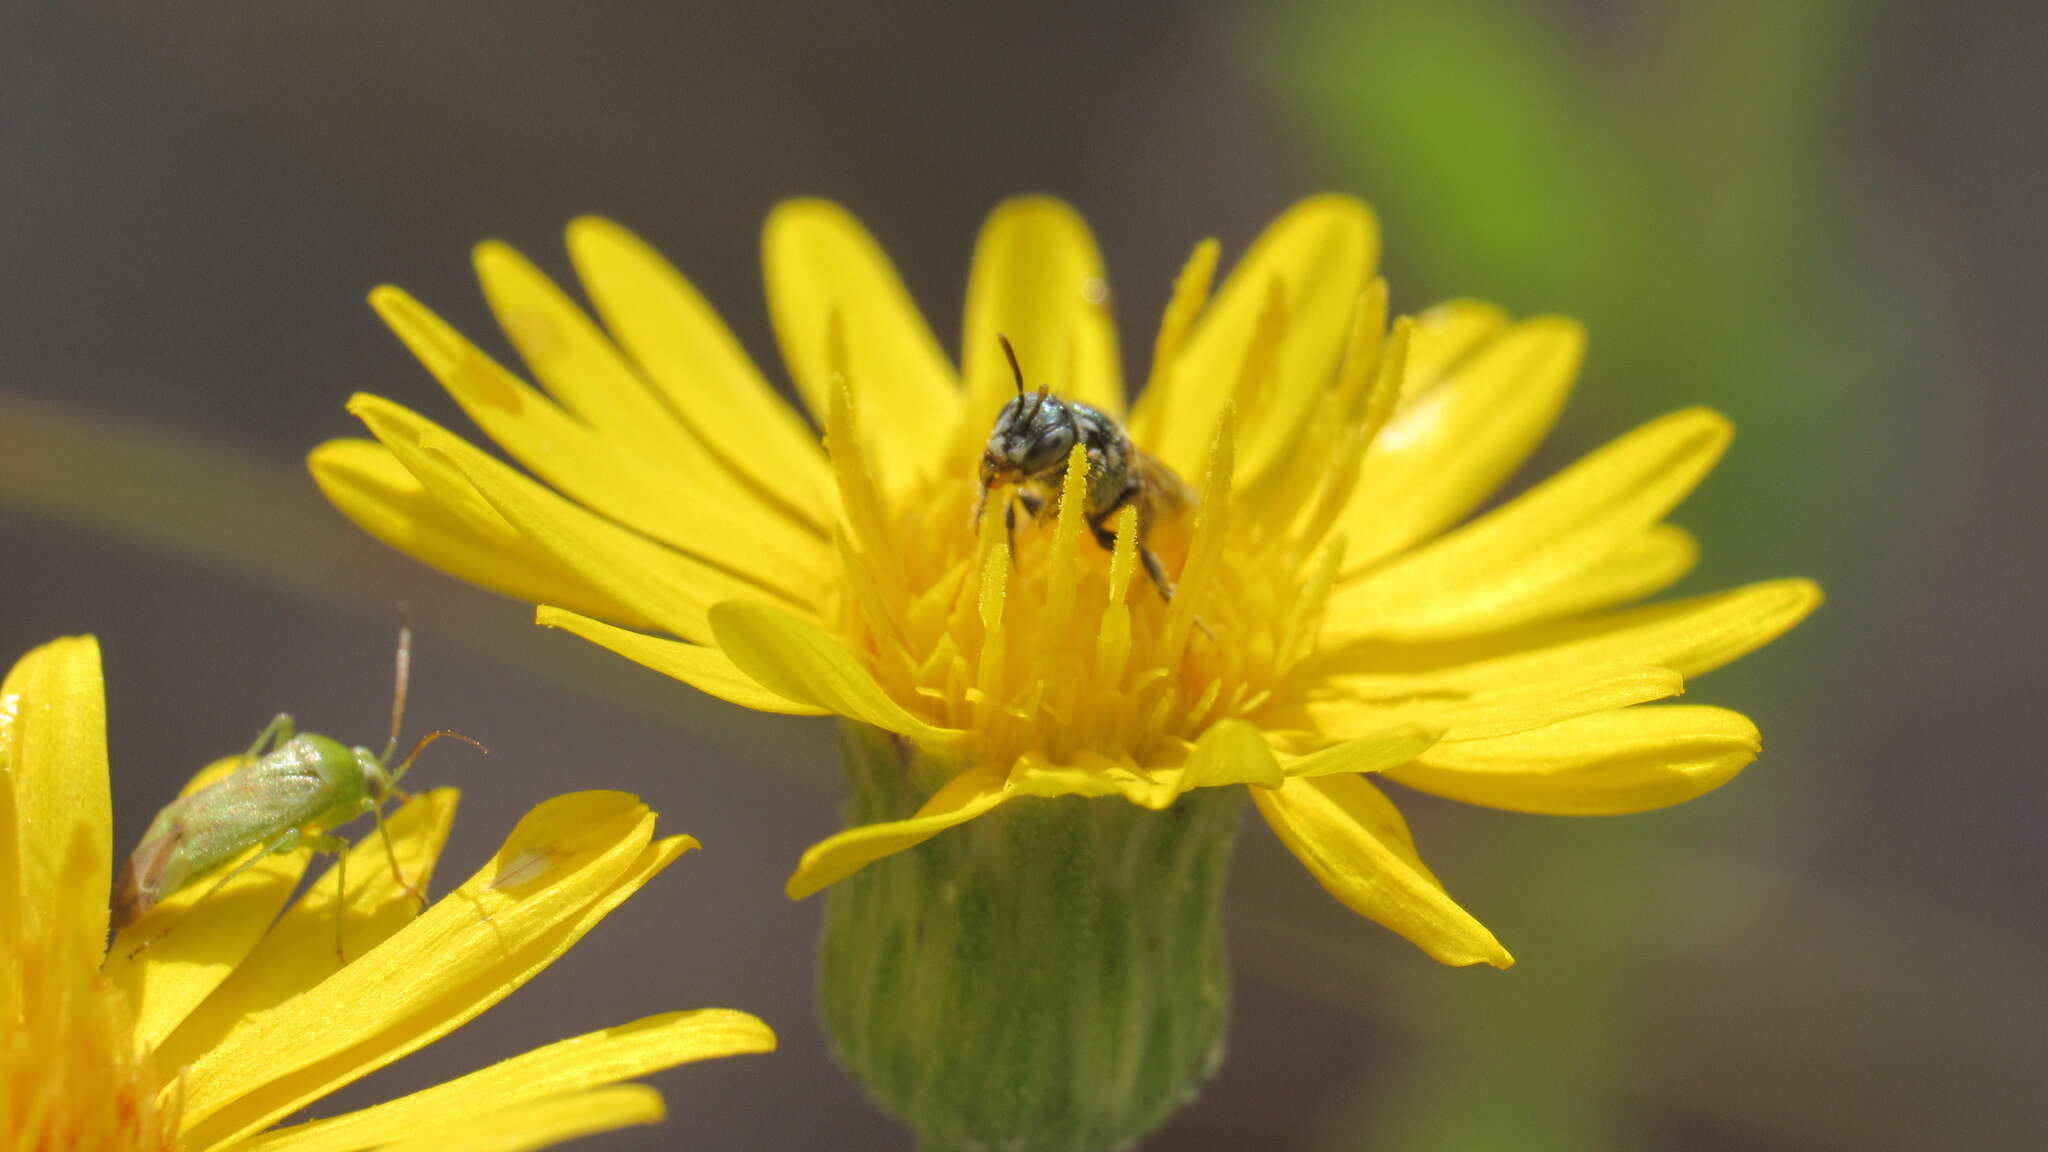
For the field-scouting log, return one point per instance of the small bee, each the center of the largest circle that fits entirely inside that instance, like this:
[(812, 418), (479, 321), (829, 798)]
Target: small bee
[(1028, 448)]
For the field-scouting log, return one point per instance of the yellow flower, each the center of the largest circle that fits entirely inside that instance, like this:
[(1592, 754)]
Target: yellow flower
[(204, 1023), (1337, 614)]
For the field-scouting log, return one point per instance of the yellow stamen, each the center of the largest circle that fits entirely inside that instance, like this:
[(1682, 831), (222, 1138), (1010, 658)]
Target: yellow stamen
[(1190, 294), (1378, 403), (1254, 398), (995, 579), (71, 1072)]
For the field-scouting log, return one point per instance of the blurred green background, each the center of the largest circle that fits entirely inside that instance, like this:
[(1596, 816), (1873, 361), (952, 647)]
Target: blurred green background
[(1820, 217)]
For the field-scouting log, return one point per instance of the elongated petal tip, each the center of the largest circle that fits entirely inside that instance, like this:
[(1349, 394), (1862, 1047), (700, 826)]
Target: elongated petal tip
[(592, 228), (1034, 202), (494, 253)]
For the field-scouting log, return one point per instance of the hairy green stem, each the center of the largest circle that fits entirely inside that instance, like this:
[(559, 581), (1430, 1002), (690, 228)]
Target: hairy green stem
[(1048, 978)]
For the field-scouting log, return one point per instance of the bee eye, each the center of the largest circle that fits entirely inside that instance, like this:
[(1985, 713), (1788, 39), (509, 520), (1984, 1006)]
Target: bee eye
[(1050, 448)]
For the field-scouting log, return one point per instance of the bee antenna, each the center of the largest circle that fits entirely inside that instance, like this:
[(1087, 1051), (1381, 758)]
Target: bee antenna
[(1011, 354), (429, 738), (402, 678)]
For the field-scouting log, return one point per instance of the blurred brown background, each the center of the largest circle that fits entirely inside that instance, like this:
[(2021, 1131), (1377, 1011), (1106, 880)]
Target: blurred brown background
[(1820, 217)]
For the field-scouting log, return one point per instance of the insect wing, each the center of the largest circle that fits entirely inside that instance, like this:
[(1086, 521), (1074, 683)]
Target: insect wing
[(142, 875), (221, 821)]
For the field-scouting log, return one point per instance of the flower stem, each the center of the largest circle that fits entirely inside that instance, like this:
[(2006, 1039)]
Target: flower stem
[(1048, 978)]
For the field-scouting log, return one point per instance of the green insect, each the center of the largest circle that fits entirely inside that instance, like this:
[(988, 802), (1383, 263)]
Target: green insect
[(292, 791)]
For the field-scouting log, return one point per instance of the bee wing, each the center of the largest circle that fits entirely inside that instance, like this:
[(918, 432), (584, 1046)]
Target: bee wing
[(1162, 494)]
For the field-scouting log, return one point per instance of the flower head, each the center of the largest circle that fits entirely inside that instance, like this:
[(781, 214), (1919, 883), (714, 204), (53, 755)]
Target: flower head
[(205, 1023), (1334, 613)]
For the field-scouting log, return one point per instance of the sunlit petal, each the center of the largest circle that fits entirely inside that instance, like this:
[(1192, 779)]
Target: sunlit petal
[(1357, 846), (565, 865), (468, 540), (53, 743), (1630, 760), (584, 1062), (819, 263), (833, 859), (704, 668), (1038, 279)]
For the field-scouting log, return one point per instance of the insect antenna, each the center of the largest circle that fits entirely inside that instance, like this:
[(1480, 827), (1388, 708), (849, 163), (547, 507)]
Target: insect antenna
[(401, 680), (429, 738), (1011, 354), (1018, 374)]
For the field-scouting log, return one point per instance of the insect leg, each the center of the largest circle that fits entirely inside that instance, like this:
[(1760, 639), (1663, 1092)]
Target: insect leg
[(275, 733), (340, 903), (1156, 571), (327, 842), (391, 854), (1106, 537)]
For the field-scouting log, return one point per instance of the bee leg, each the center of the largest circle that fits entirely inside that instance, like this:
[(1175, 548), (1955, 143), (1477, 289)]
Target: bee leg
[(1106, 537), (1157, 572), (1032, 503), (980, 505), (1153, 568)]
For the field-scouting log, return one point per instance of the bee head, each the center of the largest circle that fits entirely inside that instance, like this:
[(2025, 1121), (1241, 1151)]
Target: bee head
[(1032, 435)]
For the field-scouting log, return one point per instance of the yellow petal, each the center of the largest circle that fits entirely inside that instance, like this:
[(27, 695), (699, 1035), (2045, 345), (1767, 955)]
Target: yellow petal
[(1037, 279), (820, 262), (1445, 336), (1375, 753), (1321, 251), (691, 504), (1495, 710), (470, 542), (298, 951), (177, 953), (1689, 636), (1356, 845), (1644, 566), (1450, 447), (543, 1123), (1092, 774), (566, 865), (1631, 760), (833, 859), (53, 743), (574, 361), (587, 1061), (670, 589), (706, 669), (1231, 752), (1483, 576), (11, 893), (1228, 752), (688, 352), (805, 663)]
